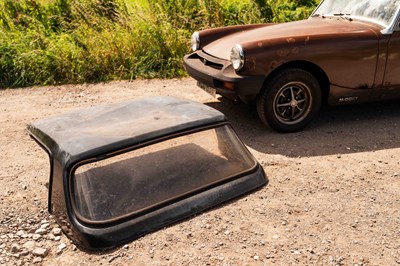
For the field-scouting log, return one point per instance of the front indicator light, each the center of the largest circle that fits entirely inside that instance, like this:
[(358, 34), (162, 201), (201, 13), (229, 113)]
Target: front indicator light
[(229, 85)]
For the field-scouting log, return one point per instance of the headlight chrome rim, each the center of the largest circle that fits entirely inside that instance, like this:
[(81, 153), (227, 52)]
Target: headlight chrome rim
[(237, 57), (195, 41)]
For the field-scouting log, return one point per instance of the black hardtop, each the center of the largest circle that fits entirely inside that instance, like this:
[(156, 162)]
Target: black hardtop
[(94, 131)]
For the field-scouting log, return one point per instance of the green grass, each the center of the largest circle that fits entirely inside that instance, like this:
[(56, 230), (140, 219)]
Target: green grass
[(73, 41)]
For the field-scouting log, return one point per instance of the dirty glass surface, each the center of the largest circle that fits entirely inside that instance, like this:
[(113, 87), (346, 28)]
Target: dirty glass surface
[(133, 182), (381, 11)]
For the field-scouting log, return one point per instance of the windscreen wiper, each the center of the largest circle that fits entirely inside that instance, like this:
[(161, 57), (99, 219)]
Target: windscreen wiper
[(343, 15)]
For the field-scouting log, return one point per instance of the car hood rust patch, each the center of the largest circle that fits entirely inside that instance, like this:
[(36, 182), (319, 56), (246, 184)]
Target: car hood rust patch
[(291, 33)]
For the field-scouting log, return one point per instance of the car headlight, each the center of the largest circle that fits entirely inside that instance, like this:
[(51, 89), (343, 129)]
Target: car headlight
[(237, 57), (195, 41)]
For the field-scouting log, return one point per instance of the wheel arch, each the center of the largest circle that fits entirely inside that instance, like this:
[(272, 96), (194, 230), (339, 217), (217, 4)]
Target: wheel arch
[(310, 67)]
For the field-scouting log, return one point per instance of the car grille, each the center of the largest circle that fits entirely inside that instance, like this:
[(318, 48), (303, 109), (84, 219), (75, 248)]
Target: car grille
[(209, 63)]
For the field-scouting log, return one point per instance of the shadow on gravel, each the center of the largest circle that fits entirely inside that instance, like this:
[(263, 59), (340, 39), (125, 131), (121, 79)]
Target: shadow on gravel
[(337, 130)]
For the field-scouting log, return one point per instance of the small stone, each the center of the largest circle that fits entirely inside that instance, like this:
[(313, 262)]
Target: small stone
[(24, 187), (40, 252), (20, 233), (125, 247), (15, 248), (30, 245), (45, 226), (36, 237), (112, 258), (56, 231), (24, 253), (50, 237), (60, 248), (41, 231), (256, 257), (37, 260)]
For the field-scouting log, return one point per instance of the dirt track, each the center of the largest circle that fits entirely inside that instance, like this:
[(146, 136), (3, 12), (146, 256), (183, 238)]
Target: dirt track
[(333, 196)]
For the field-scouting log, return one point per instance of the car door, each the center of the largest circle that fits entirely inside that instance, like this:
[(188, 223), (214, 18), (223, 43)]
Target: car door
[(391, 81)]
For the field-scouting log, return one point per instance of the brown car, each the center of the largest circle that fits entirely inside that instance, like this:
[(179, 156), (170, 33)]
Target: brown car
[(346, 52)]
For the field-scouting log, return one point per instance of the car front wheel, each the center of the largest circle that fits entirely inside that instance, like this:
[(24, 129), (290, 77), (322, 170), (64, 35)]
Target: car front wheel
[(289, 100)]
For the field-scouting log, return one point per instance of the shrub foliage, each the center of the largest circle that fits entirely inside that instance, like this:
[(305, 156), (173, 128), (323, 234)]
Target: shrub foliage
[(73, 41)]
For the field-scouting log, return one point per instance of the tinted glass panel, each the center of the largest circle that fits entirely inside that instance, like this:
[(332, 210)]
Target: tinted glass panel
[(157, 174)]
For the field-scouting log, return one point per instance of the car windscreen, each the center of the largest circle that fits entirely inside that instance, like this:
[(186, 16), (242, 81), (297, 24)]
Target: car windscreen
[(147, 178), (381, 11)]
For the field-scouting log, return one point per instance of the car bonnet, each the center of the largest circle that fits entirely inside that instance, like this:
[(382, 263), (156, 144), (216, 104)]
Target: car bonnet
[(306, 29)]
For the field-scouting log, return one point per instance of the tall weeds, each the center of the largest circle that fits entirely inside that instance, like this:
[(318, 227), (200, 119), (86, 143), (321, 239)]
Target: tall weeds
[(73, 41)]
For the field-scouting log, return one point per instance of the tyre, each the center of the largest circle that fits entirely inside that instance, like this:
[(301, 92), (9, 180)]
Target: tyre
[(289, 100)]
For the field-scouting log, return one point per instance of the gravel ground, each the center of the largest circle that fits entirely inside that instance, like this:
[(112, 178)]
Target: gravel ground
[(333, 196)]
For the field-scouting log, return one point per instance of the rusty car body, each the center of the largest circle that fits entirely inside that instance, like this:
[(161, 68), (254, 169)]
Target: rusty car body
[(346, 52)]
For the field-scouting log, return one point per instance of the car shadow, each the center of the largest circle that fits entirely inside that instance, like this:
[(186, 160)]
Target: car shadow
[(337, 130)]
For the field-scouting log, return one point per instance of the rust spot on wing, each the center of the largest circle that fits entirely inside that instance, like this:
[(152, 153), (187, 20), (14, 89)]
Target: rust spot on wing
[(283, 52), (291, 40), (275, 64)]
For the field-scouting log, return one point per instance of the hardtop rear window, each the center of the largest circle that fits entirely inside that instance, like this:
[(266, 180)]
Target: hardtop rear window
[(146, 178)]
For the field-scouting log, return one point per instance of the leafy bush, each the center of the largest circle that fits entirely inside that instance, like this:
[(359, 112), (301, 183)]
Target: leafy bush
[(285, 11), (73, 41)]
